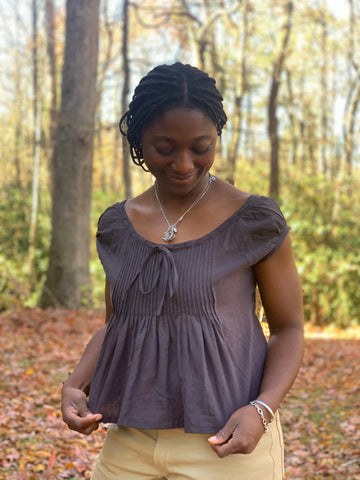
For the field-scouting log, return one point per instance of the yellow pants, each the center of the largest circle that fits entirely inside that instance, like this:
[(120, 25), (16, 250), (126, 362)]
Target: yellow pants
[(136, 454)]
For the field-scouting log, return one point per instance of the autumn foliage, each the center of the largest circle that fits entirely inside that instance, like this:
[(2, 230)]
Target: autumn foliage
[(320, 416)]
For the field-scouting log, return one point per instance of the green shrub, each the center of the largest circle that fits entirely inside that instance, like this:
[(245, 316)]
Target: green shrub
[(325, 232)]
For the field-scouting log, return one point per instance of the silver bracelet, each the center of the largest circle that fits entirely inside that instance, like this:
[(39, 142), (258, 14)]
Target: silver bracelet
[(267, 408), (261, 413)]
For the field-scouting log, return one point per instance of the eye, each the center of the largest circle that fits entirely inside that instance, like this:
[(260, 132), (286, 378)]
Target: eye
[(202, 150), (164, 150)]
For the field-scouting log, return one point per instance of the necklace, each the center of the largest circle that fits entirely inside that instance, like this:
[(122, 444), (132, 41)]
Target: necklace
[(170, 233)]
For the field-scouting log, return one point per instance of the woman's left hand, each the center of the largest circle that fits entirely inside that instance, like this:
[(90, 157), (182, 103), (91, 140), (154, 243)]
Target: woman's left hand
[(240, 434)]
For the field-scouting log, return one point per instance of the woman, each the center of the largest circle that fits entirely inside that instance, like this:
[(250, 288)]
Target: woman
[(182, 370)]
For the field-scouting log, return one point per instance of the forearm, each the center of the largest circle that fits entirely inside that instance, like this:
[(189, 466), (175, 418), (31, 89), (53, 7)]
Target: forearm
[(283, 360), (82, 375)]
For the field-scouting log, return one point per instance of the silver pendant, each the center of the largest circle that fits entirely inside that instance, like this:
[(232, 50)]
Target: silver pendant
[(170, 234)]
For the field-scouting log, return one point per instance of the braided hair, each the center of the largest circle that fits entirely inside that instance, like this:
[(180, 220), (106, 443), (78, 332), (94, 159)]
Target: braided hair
[(164, 88)]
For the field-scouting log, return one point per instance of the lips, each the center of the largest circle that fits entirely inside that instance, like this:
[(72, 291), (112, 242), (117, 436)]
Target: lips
[(181, 178)]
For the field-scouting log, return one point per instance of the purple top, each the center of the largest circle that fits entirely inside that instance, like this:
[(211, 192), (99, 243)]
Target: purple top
[(183, 347)]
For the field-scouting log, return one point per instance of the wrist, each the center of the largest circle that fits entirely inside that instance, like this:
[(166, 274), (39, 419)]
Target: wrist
[(268, 411), (69, 384), (260, 412)]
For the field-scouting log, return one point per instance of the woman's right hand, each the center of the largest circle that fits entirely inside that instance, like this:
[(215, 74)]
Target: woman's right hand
[(75, 411)]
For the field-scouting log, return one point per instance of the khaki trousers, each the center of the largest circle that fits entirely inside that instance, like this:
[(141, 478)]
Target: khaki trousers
[(136, 454)]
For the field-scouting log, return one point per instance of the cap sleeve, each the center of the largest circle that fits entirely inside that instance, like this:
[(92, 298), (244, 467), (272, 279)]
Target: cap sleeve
[(267, 228), (255, 233), (109, 236)]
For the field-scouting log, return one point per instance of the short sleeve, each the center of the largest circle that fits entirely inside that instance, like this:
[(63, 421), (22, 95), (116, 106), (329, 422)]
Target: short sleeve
[(109, 236), (267, 228)]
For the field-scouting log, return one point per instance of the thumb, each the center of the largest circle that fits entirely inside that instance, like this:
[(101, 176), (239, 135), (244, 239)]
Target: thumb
[(222, 436)]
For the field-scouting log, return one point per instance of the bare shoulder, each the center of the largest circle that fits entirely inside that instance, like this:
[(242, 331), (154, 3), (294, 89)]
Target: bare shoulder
[(229, 197), (141, 204)]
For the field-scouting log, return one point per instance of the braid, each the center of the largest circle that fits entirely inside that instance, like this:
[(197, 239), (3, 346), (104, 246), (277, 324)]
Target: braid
[(164, 88)]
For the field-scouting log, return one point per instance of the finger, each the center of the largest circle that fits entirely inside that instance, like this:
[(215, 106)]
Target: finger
[(94, 426), (222, 436), (79, 423), (81, 408), (224, 449), (84, 428), (82, 411)]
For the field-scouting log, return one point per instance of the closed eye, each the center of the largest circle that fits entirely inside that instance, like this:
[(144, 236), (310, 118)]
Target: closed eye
[(202, 151), (168, 150), (164, 151)]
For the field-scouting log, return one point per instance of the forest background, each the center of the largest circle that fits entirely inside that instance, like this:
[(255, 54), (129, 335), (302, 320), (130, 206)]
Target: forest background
[(290, 76)]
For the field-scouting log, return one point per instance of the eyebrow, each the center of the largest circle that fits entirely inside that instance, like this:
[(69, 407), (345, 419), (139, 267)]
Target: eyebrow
[(171, 140)]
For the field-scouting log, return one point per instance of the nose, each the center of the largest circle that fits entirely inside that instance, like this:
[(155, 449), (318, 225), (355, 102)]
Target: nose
[(183, 162)]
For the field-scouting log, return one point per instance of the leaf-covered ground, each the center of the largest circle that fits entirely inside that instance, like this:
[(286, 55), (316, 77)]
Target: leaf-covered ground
[(321, 415)]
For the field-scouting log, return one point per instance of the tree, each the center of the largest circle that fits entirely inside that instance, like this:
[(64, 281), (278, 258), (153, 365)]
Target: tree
[(353, 96), (240, 89), (279, 60), (50, 44), (124, 99), (324, 82), (36, 139), (67, 283)]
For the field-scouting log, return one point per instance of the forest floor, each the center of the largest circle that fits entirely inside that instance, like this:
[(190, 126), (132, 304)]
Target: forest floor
[(320, 416)]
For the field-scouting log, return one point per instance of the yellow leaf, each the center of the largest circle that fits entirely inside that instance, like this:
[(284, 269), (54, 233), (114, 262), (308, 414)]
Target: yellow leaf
[(38, 468)]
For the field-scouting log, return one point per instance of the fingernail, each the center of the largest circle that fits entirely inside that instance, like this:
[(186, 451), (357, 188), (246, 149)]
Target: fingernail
[(212, 439)]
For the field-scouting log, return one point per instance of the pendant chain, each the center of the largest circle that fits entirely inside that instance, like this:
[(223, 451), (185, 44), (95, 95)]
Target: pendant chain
[(172, 230)]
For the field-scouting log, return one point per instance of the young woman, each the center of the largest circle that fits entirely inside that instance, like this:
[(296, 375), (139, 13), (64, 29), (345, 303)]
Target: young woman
[(181, 369)]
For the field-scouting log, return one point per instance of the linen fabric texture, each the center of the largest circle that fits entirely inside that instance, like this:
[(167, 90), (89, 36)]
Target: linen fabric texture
[(183, 347)]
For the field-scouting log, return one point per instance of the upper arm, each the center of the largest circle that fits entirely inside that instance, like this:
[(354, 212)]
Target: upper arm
[(280, 289), (108, 304)]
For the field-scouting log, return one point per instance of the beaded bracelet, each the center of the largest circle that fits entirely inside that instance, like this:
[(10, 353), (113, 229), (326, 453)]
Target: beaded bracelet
[(267, 408), (261, 413)]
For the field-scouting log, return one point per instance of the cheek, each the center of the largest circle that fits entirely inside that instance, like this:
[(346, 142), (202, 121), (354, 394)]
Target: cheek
[(153, 161)]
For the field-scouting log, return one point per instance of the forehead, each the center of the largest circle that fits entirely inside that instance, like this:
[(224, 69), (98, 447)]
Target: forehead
[(179, 122)]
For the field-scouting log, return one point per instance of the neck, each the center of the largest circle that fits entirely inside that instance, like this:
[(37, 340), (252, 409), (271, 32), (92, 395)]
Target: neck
[(185, 205), (171, 231), (173, 202)]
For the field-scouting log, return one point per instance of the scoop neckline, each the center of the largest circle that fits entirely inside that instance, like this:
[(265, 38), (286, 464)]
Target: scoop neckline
[(187, 243)]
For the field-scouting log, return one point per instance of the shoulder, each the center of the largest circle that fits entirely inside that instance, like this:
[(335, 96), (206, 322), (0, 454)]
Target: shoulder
[(227, 199), (267, 225), (257, 228), (265, 204), (140, 205), (256, 207), (110, 219), (264, 217), (111, 211)]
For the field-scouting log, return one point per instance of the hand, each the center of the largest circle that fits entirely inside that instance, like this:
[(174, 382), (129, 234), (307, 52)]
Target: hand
[(75, 411), (240, 434)]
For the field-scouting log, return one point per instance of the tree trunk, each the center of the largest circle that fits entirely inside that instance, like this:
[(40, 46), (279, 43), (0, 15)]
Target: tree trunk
[(107, 47), (68, 283), (273, 101), (353, 97), (349, 136), (36, 141), (248, 137), (124, 100), (290, 109), (243, 87), (50, 40), (323, 160)]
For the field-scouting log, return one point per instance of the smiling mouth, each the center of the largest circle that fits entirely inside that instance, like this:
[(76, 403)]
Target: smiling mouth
[(184, 178)]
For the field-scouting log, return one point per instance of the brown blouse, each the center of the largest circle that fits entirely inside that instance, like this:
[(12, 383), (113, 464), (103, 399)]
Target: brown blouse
[(183, 347)]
